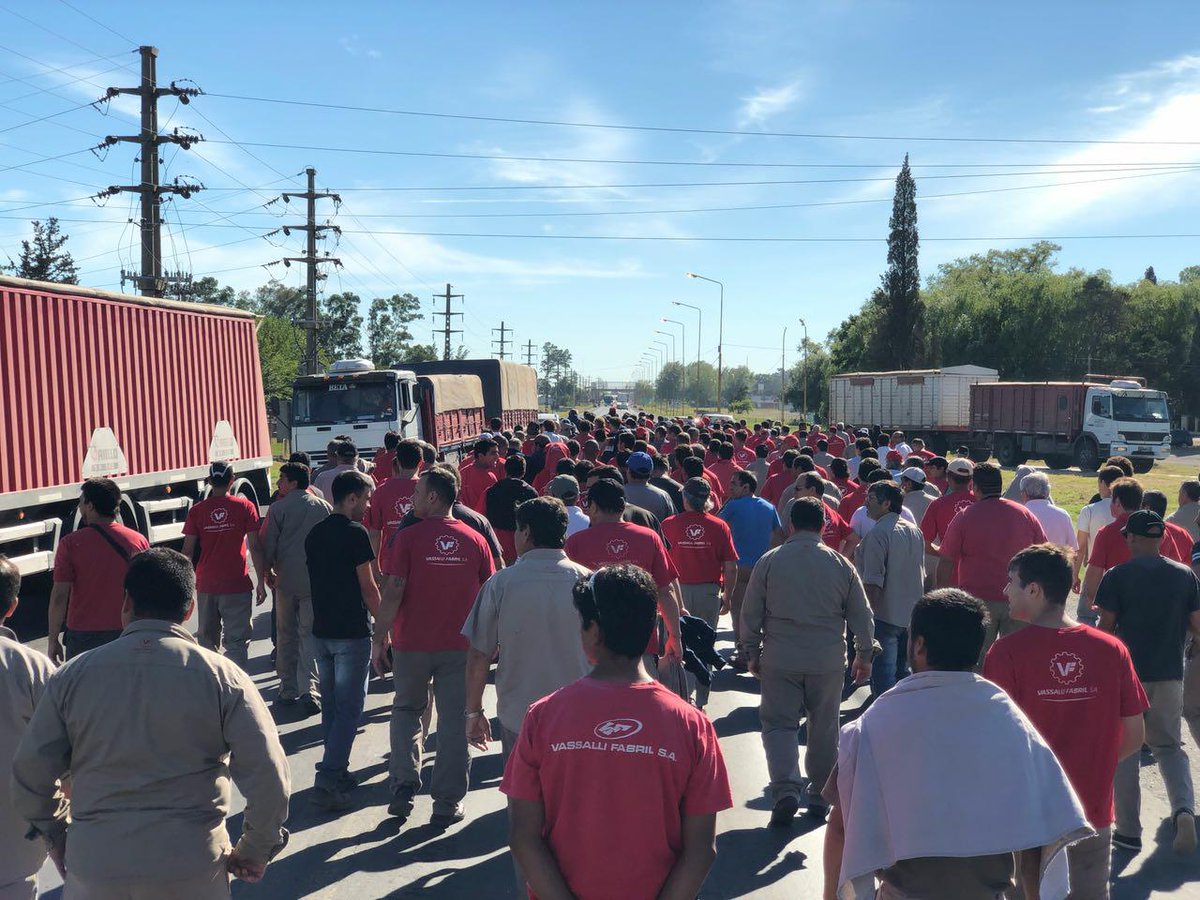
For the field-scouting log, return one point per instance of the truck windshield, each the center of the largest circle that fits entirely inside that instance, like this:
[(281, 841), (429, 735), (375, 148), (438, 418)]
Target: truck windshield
[(331, 404), (1139, 409)]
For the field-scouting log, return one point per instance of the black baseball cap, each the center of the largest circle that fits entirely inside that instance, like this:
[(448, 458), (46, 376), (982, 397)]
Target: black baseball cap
[(1145, 523)]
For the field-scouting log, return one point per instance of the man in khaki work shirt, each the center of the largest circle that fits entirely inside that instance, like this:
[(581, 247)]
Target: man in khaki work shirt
[(23, 676), (799, 601), (152, 726)]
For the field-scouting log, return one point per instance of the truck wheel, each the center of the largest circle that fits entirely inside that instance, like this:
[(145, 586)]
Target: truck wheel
[(1087, 454), (1006, 452), (1141, 465), (1058, 461), (980, 454)]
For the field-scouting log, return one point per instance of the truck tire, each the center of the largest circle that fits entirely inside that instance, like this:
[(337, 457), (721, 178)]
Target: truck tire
[(1087, 454), (1141, 465), (980, 454), (1058, 461), (1006, 451)]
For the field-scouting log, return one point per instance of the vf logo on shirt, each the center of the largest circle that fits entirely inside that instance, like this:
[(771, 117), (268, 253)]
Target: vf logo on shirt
[(446, 544), (219, 515), (695, 532), (403, 507), (617, 548), (1067, 668), (617, 729)]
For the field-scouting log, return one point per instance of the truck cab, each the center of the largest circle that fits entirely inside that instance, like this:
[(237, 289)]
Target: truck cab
[(1125, 418), (356, 399)]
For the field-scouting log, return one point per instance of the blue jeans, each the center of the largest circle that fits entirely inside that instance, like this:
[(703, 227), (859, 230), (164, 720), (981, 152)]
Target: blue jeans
[(888, 668), (343, 667)]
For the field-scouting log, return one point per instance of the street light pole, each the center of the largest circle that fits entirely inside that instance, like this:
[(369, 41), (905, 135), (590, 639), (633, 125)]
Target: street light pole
[(671, 335), (699, 328), (804, 370), (682, 364), (782, 371), (720, 332)]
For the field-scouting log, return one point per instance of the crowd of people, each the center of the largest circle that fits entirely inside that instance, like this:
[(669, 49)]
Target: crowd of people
[(589, 562)]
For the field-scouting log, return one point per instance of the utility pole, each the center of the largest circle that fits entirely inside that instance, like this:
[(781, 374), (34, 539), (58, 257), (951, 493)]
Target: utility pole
[(312, 318), (447, 314), (529, 354), (150, 281), (502, 341)]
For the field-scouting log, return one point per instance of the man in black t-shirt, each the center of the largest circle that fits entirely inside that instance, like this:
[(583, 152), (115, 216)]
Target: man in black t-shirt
[(344, 598), (501, 502), (1151, 603)]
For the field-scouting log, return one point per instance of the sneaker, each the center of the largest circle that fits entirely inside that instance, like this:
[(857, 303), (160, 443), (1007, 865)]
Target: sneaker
[(331, 800), (1185, 833), (445, 820), (1126, 842), (818, 808), (347, 782), (401, 806), (309, 705), (287, 702), (784, 810)]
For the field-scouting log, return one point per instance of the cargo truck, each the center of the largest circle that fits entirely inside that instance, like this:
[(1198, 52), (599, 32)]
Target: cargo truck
[(147, 392), (447, 404), (1064, 423)]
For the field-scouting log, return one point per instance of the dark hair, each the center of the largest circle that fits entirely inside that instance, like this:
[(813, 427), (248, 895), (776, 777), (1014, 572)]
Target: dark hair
[(888, 492), (1128, 492), (161, 584), (391, 440), (607, 495), (299, 456), (869, 453), (813, 482), (623, 601), (866, 467), (989, 479), (1047, 565), (514, 466), (346, 450), (956, 479), (103, 494), (1121, 462), (408, 454), (804, 463), (693, 467), (876, 475), (761, 450), (839, 467), (483, 447), (346, 484), (612, 473), (443, 482), (938, 462), (660, 462), (806, 451), (622, 458), (1192, 489), (565, 466), (583, 470), (863, 443), (808, 514), (550, 425), (297, 473), (573, 447), (823, 445), (428, 453), (1156, 501), (725, 451), (746, 479), (546, 519), (495, 423), (1109, 474), (953, 625), (10, 583)]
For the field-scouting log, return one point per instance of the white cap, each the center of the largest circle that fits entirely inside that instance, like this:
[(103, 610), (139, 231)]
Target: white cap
[(914, 474)]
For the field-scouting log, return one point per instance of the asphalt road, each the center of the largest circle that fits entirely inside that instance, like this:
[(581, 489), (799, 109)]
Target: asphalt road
[(361, 854)]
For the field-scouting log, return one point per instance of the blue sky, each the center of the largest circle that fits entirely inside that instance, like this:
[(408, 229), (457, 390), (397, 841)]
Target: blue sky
[(900, 70)]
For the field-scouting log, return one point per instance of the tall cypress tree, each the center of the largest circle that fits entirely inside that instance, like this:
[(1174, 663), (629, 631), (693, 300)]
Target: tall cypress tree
[(900, 340)]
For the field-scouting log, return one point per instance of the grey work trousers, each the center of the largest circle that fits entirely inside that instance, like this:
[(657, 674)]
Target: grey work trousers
[(736, 597), (1191, 690), (1163, 720), (786, 697), (225, 616), (21, 889), (704, 602), (295, 656), (413, 671), (210, 886), (1089, 861), (508, 743)]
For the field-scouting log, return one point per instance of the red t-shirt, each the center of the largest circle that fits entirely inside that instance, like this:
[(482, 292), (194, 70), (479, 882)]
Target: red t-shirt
[(475, 482), (743, 456), (776, 485), (700, 544), (615, 543), (382, 470), (615, 768), (814, 436), (390, 503), (723, 469), (925, 454), (1177, 544), (1109, 548), (837, 447), (942, 484), (96, 573), (1075, 685), (836, 529), (852, 500), (938, 516), (444, 563), (984, 538), (221, 525)]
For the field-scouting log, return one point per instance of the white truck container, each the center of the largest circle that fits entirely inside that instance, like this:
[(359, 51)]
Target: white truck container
[(919, 401)]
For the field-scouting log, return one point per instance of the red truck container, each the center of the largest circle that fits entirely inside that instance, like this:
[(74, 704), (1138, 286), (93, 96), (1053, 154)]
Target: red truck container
[(451, 411), (147, 392)]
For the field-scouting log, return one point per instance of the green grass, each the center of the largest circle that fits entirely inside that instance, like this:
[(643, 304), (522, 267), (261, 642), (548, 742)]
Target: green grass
[(1073, 489)]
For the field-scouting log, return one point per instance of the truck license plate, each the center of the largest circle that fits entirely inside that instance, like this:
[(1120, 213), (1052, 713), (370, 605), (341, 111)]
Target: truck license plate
[(1144, 450)]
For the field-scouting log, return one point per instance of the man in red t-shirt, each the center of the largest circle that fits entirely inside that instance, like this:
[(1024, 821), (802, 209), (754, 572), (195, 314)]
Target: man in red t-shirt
[(435, 569), (701, 546), (919, 449), (743, 452), (1079, 688), (615, 755), (724, 467), (392, 501), (1177, 540), (980, 542), (89, 574), (610, 541), (479, 475), (1108, 547), (381, 465), (941, 512), (224, 525)]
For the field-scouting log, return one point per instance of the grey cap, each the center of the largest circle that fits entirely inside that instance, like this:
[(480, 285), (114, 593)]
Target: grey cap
[(697, 490), (564, 487)]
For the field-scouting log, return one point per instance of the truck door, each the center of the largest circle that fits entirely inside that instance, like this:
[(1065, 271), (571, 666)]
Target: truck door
[(1098, 422)]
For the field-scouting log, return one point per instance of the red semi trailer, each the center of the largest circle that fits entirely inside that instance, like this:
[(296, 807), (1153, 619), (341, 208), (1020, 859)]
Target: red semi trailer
[(147, 392)]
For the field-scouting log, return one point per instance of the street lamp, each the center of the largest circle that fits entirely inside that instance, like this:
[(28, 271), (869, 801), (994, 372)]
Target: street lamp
[(660, 349), (720, 332), (672, 357), (782, 371), (699, 328), (804, 370), (683, 344)]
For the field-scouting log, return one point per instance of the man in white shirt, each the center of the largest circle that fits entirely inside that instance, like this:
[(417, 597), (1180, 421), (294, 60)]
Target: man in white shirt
[(566, 489), (1056, 522), (1092, 518)]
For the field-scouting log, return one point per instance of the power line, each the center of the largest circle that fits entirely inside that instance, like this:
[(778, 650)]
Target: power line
[(707, 131), (61, 37), (98, 22)]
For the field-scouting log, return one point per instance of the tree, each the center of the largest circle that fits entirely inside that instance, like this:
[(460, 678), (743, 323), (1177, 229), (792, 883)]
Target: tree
[(556, 363), (1150, 276), (899, 342), (421, 353), (339, 334), (45, 258), (204, 290), (736, 385), (389, 339), (815, 372), (1189, 275), (670, 381), (280, 348)]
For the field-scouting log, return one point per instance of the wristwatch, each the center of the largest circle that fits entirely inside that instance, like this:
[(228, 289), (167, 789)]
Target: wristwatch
[(477, 714)]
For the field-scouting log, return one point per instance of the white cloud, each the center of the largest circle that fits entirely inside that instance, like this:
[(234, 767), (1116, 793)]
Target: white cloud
[(766, 103)]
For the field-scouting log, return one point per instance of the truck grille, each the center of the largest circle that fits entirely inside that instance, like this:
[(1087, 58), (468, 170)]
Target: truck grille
[(1143, 437)]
